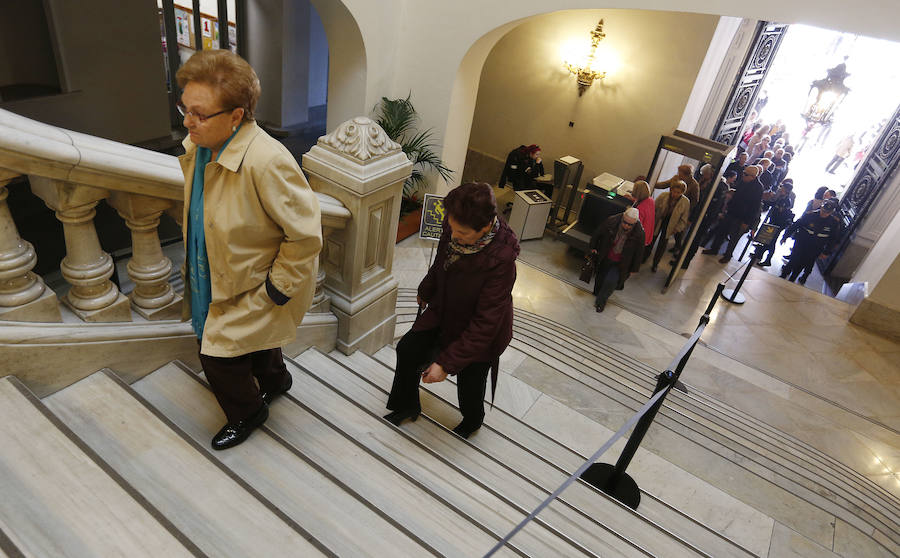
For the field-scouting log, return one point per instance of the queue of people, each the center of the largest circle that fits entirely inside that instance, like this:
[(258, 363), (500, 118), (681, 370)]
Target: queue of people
[(253, 235)]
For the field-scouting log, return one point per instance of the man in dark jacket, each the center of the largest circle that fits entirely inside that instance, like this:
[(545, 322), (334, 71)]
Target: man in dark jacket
[(742, 210), (712, 215), (617, 245), (815, 235), (467, 323)]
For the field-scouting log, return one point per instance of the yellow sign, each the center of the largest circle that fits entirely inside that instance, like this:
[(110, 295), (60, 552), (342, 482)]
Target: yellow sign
[(432, 217)]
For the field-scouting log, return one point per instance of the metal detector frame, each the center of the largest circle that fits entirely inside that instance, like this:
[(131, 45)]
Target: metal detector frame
[(705, 151)]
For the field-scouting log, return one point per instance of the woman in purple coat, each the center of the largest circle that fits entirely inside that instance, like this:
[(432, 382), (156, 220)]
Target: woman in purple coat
[(467, 319)]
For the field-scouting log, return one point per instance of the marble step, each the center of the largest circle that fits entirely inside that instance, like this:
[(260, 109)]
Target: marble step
[(482, 503), (58, 500), (762, 450), (610, 362), (585, 514), (441, 524), (301, 488), (815, 483), (214, 509), (548, 459)]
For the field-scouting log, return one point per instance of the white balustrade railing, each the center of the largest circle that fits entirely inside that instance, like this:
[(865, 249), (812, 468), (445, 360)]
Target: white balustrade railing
[(73, 172)]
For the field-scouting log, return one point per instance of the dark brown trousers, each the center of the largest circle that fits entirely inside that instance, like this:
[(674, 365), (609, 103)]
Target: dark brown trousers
[(237, 382)]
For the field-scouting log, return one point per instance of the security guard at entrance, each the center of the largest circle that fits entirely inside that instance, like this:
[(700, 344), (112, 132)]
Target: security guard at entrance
[(815, 235)]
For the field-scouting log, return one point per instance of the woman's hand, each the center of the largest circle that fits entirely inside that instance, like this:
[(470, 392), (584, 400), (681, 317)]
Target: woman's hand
[(433, 374)]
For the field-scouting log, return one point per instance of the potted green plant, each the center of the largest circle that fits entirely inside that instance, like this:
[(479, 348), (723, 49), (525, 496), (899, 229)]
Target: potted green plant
[(399, 119)]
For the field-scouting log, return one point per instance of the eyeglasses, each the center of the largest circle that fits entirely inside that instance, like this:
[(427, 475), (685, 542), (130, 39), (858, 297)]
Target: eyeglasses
[(201, 117)]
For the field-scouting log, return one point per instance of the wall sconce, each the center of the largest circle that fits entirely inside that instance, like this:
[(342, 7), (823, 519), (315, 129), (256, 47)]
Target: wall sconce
[(583, 70)]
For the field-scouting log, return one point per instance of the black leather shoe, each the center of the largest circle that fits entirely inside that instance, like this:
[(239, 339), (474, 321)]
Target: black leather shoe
[(233, 434), (397, 417), (464, 429), (269, 396)]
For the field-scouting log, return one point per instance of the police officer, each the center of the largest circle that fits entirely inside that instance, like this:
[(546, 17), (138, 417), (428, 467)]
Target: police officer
[(815, 235)]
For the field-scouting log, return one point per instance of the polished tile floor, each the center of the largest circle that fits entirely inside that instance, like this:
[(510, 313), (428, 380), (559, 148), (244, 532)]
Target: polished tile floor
[(788, 356)]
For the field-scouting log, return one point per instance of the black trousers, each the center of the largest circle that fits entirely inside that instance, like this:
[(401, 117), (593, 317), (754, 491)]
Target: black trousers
[(729, 227), (803, 257), (415, 352), (234, 380)]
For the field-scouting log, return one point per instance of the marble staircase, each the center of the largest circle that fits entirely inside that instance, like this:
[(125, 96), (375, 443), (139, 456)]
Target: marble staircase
[(796, 485), (107, 468), (120, 465)]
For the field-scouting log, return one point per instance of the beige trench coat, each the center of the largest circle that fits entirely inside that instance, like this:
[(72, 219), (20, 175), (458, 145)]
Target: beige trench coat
[(261, 219), (679, 219)]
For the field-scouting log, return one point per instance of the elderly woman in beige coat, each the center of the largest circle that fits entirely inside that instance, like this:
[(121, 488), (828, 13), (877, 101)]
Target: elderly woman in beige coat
[(672, 209), (252, 232)]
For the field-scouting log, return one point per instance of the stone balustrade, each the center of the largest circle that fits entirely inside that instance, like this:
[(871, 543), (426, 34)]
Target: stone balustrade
[(73, 172)]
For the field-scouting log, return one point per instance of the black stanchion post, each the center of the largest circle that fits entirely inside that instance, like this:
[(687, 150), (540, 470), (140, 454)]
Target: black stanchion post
[(733, 295), (613, 480)]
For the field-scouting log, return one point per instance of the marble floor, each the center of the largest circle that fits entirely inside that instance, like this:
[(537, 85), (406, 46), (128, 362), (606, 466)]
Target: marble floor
[(788, 356)]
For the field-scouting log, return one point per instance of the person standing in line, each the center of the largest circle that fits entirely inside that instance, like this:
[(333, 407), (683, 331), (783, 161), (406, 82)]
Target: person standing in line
[(672, 209), (739, 164), (711, 217), (779, 204), (468, 312), (685, 174), (617, 245), (742, 210), (252, 236), (815, 235), (646, 207)]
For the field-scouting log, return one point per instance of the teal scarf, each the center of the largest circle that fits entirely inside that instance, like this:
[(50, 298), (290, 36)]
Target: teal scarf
[(198, 261)]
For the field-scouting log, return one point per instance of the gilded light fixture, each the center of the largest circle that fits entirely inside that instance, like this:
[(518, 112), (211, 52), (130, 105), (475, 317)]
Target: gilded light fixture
[(583, 70)]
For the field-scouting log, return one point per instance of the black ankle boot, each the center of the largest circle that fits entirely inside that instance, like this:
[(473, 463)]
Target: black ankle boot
[(397, 417), (466, 429)]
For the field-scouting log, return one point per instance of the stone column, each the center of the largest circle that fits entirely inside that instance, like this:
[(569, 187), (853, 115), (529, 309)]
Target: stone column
[(93, 297), (23, 295), (152, 297), (363, 169)]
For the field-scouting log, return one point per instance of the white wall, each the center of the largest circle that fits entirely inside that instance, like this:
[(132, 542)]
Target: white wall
[(420, 46)]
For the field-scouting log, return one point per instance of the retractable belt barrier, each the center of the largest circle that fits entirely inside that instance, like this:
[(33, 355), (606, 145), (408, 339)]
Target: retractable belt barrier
[(613, 480)]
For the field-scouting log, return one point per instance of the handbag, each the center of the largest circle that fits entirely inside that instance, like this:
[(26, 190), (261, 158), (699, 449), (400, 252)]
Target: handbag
[(587, 268)]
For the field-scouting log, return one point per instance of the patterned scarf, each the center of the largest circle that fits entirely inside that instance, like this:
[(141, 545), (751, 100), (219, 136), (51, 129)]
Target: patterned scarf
[(455, 249)]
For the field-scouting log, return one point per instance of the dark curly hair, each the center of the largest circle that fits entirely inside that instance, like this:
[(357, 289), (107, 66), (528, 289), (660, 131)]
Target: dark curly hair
[(472, 205)]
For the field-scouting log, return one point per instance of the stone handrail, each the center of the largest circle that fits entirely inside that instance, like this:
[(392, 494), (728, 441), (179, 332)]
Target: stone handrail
[(72, 172)]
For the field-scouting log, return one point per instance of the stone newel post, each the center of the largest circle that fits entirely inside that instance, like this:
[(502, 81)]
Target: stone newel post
[(365, 170)]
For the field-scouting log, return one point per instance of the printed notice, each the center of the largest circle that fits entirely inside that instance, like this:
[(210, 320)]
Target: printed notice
[(432, 217)]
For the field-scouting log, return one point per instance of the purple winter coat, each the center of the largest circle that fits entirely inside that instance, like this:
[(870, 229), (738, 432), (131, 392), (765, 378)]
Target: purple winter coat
[(471, 302)]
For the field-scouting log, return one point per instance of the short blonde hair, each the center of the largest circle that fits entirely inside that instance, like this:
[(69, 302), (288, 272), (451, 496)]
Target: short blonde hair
[(230, 75), (641, 191)]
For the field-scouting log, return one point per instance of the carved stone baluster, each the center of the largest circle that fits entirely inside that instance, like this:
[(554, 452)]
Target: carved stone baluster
[(321, 302), (23, 295), (93, 297), (153, 297)]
